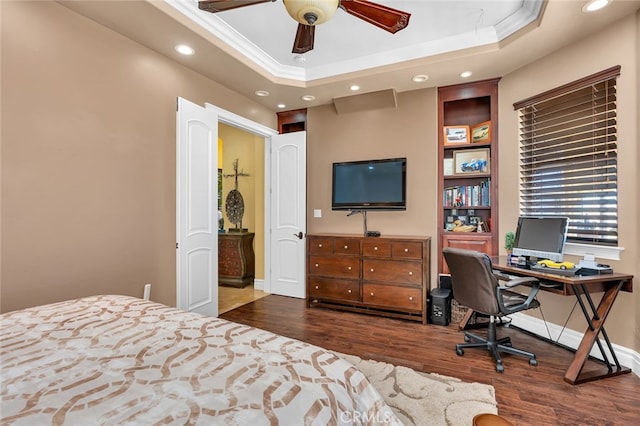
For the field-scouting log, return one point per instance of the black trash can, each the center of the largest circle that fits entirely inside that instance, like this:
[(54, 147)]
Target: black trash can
[(440, 309)]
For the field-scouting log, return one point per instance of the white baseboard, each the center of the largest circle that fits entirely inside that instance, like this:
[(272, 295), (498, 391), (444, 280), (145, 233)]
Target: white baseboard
[(258, 284), (571, 338)]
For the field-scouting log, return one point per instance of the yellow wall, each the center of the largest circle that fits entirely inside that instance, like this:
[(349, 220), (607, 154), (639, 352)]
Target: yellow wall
[(249, 150)]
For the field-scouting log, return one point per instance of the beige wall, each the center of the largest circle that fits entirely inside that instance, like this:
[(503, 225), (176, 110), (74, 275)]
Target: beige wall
[(407, 131), (410, 130), (617, 45), (249, 150), (88, 157)]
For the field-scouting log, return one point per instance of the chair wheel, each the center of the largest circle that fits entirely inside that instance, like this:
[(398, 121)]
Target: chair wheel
[(533, 361), (459, 351), (500, 368)]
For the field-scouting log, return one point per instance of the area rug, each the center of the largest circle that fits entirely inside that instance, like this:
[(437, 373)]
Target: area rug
[(427, 398)]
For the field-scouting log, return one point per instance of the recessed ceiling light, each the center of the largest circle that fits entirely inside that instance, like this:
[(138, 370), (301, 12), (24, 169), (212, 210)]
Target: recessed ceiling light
[(261, 93), (420, 78), (281, 106), (183, 49), (465, 74), (354, 88), (308, 98), (594, 5)]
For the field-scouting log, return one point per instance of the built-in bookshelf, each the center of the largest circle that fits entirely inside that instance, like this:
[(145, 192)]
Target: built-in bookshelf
[(468, 167)]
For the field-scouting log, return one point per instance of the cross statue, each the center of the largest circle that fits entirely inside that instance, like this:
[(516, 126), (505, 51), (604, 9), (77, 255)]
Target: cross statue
[(236, 174), (235, 203)]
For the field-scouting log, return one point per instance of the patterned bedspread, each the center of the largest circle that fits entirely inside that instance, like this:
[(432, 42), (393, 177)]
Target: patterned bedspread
[(121, 360)]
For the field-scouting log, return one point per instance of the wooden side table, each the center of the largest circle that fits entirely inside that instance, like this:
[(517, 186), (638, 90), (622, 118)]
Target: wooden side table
[(236, 259)]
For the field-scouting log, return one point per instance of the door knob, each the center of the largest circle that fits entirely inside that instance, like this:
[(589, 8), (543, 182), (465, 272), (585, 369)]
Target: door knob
[(299, 235)]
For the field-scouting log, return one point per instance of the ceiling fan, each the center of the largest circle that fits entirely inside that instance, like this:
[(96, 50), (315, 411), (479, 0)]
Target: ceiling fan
[(310, 13)]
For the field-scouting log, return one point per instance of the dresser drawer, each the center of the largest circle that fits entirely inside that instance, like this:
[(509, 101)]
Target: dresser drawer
[(392, 296), (336, 266), (392, 271), (320, 245), (376, 248), (406, 250), (349, 246), (328, 288)]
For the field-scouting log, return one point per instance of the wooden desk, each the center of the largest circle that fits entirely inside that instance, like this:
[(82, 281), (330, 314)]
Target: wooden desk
[(582, 287)]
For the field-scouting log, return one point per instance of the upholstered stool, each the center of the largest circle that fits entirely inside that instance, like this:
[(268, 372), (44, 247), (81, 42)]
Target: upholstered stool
[(487, 419)]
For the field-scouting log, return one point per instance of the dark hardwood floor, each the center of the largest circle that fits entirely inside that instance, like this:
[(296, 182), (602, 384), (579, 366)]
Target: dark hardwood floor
[(526, 395)]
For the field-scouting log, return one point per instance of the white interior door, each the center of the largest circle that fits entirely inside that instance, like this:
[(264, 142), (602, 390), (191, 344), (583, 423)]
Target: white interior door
[(288, 214), (197, 213)]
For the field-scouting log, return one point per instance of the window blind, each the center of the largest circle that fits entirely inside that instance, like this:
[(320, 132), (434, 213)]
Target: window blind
[(568, 157)]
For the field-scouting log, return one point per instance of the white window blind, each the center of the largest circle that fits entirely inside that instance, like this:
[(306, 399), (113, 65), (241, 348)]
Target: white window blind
[(568, 157)]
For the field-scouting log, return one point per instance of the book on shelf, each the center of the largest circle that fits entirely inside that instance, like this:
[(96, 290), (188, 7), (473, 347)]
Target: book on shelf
[(468, 195)]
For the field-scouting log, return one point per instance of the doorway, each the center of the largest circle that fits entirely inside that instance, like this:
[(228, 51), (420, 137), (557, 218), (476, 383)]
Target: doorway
[(284, 207), (241, 159)]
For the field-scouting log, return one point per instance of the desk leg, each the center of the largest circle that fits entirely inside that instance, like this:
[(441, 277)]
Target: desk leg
[(595, 318), (464, 324)]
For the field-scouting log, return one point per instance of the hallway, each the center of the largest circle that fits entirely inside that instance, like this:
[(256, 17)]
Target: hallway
[(231, 297)]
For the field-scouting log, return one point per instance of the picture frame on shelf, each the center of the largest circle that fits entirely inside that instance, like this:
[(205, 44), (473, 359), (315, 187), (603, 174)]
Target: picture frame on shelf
[(471, 161), (456, 135), (481, 132)]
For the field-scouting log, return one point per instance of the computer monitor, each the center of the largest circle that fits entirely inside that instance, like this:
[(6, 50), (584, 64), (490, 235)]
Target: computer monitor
[(542, 237)]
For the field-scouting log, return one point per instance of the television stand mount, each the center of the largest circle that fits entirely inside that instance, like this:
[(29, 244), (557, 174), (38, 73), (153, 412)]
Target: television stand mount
[(367, 233)]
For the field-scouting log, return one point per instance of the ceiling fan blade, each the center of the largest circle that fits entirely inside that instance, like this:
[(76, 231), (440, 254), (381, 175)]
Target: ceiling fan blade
[(304, 39), (215, 6), (384, 17)]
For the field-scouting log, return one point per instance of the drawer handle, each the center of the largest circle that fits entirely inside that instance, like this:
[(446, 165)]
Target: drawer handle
[(320, 245), (349, 268), (346, 247), (349, 291), (316, 265), (317, 287), (372, 293), (371, 269), (375, 249), (406, 250), (410, 273), (410, 297)]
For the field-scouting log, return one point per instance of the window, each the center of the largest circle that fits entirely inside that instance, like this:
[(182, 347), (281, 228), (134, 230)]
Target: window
[(568, 157)]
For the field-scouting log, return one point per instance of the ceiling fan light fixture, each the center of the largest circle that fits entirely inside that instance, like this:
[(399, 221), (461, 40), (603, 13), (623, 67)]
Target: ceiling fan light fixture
[(311, 12)]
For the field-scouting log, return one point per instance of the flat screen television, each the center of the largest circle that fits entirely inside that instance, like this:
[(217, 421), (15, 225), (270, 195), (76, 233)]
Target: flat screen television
[(542, 237), (370, 185)]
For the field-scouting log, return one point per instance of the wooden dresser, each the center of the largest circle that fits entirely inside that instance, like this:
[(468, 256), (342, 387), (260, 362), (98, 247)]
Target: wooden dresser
[(236, 259), (386, 276)]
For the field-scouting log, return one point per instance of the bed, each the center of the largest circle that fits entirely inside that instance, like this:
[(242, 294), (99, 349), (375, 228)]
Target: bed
[(121, 360)]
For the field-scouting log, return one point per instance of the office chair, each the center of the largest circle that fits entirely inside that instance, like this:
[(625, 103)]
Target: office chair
[(476, 286)]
